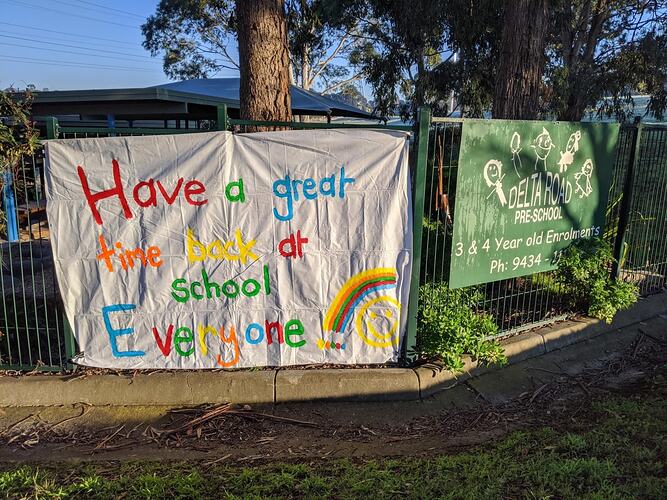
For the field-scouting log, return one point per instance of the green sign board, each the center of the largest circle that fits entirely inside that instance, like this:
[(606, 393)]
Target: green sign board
[(525, 191)]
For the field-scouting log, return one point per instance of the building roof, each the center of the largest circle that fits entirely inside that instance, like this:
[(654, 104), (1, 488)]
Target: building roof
[(188, 99), (303, 101)]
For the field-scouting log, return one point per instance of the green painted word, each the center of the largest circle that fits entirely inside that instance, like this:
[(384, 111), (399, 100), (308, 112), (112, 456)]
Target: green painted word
[(208, 289)]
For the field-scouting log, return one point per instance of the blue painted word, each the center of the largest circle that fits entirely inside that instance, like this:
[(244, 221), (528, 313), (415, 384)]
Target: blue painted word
[(288, 189)]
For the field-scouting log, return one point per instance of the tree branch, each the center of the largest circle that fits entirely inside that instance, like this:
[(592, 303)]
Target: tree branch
[(324, 64), (342, 82)]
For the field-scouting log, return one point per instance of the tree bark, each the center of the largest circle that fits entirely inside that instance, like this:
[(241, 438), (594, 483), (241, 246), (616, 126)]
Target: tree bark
[(264, 60), (522, 59)]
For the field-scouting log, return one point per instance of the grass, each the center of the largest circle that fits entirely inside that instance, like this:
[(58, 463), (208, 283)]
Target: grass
[(618, 453)]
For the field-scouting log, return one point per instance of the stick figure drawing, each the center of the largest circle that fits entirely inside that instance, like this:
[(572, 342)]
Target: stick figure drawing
[(567, 157), (494, 179), (542, 146), (515, 147), (583, 180)]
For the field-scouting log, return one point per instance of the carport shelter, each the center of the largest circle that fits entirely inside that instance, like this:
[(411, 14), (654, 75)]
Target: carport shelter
[(184, 104)]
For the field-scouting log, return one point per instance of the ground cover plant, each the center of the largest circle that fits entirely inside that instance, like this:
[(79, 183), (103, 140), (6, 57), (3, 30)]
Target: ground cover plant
[(449, 327), (584, 273)]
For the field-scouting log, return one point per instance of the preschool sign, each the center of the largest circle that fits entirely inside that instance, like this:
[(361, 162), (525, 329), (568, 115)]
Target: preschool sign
[(525, 191), (214, 250)]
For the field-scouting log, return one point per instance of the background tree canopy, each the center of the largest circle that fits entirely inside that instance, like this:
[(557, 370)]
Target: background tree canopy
[(454, 55)]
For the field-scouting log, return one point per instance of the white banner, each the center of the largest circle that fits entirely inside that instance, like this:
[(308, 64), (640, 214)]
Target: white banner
[(215, 250)]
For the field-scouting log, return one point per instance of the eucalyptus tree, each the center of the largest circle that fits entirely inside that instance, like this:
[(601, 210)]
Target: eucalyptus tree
[(601, 52), (198, 39)]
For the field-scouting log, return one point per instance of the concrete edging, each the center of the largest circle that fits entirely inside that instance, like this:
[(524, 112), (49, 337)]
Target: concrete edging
[(293, 385)]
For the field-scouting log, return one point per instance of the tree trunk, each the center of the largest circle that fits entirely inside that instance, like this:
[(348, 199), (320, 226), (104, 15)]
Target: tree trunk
[(580, 48), (576, 103), (305, 68), (522, 59), (264, 60)]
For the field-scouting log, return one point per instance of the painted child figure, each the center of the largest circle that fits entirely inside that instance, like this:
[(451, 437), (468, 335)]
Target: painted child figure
[(567, 157), (583, 179), (542, 146)]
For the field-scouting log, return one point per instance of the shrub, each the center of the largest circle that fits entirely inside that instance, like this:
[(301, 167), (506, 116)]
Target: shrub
[(18, 137), (448, 327), (584, 273)]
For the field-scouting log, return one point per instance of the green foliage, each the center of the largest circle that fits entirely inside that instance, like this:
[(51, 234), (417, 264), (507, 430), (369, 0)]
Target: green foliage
[(600, 53), (449, 327), (415, 52), (196, 39), (349, 94), (405, 40), (584, 273), (192, 35), (18, 136)]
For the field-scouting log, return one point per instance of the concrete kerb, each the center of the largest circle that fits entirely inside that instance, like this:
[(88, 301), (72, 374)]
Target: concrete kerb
[(150, 389), (434, 379), (290, 385), (361, 384)]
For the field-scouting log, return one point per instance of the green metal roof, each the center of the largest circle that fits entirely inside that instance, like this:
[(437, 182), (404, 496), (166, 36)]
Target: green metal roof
[(189, 99)]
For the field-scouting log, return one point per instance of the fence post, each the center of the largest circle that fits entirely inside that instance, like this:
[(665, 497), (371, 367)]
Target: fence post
[(421, 147), (52, 132), (626, 202), (51, 127), (222, 117), (9, 205)]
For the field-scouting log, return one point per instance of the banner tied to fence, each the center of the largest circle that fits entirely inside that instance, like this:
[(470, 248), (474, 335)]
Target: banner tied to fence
[(525, 191), (214, 250)]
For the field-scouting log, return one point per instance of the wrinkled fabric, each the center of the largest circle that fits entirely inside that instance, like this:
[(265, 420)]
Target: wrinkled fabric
[(136, 283)]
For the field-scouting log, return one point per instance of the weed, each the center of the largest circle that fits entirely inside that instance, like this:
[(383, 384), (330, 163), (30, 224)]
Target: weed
[(449, 327), (584, 273)]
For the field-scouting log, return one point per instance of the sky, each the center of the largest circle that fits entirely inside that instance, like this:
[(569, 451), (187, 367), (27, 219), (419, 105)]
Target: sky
[(77, 44)]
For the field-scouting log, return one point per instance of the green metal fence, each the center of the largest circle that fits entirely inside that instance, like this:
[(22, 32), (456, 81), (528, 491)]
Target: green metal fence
[(35, 335), (32, 332), (640, 227), (636, 224), (516, 304)]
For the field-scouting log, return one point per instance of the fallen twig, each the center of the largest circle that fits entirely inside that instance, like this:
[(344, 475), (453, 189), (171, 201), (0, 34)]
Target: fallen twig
[(254, 414), (109, 437), (536, 393), (217, 460)]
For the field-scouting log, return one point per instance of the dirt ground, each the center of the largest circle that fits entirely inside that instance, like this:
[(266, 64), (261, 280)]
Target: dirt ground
[(257, 434)]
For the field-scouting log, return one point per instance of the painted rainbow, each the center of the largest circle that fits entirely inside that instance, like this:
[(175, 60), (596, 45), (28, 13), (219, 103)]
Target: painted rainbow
[(353, 292)]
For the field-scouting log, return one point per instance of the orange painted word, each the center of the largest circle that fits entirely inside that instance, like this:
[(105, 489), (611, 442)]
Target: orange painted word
[(127, 257)]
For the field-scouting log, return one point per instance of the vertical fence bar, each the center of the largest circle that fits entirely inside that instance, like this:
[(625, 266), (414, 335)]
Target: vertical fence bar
[(51, 127), (222, 122), (626, 202), (70, 342), (423, 126)]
